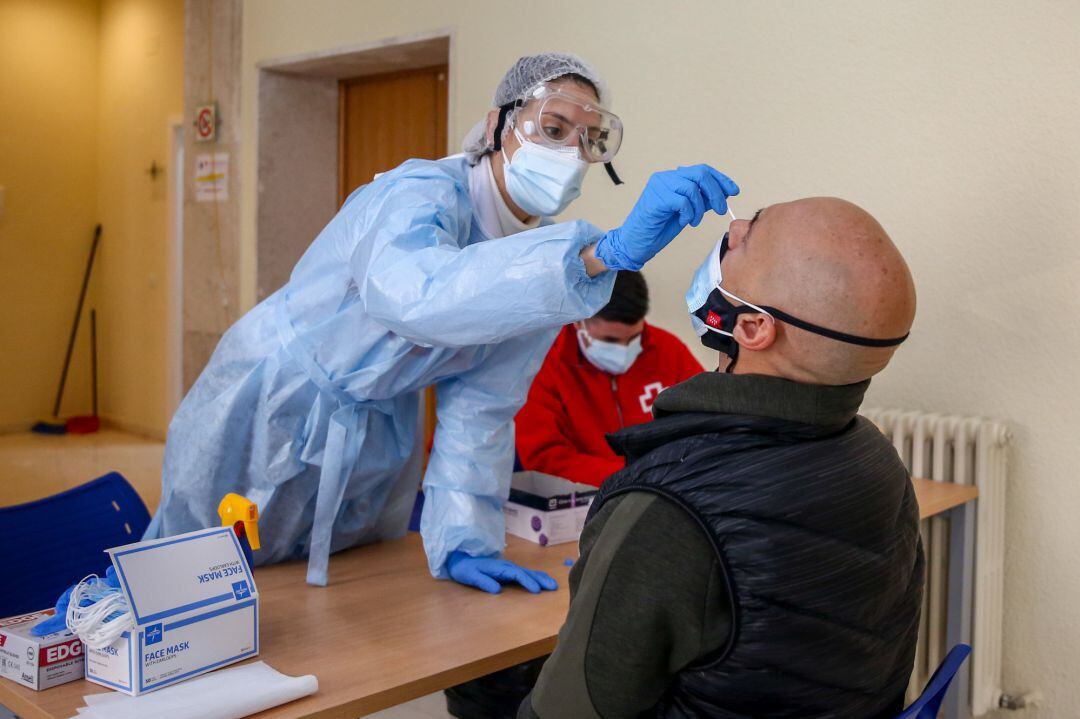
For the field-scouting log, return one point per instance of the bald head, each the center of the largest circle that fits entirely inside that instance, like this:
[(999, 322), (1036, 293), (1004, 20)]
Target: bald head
[(828, 262)]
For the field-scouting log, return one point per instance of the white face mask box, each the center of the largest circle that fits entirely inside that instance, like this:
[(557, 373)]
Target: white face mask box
[(38, 662), (195, 606), (546, 509)]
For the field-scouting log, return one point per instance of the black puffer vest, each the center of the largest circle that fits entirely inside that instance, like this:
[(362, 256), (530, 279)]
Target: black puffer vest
[(817, 530)]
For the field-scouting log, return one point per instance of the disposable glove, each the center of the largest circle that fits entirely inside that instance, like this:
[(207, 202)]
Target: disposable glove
[(58, 621), (670, 201), (488, 574)]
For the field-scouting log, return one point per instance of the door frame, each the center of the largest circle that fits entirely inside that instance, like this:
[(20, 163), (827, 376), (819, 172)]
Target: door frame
[(175, 339), (293, 150)]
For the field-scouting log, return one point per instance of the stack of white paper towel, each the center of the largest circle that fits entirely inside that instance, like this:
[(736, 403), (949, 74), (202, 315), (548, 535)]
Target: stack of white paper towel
[(225, 694)]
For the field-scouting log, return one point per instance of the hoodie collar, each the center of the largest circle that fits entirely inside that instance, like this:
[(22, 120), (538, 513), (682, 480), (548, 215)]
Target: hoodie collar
[(714, 402), (765, 396)]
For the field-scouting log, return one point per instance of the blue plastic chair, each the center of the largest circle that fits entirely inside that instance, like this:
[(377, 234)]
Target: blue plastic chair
[(929, 702), (49, 544), (417, 511)]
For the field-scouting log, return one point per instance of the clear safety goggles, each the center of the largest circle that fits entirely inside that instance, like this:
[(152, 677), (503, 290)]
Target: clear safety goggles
[(554, 117)]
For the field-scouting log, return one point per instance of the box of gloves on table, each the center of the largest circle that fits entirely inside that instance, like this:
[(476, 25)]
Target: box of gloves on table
[(38, 662), (546, 509), (194, 607)]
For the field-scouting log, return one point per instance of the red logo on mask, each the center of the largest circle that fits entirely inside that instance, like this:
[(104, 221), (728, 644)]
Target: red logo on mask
[(714, 320)]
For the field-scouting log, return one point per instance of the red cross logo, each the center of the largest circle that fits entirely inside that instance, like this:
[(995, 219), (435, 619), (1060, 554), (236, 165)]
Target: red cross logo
[(649, 395)]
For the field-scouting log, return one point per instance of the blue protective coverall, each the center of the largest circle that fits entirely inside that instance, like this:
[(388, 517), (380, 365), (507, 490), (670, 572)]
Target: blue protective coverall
[(310, 405)]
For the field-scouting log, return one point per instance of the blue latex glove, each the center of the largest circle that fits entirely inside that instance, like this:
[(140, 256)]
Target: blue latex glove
[(58, 621), (488, 574), (671, 201)]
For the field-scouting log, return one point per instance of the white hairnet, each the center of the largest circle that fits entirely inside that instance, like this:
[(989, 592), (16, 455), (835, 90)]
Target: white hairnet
[(531, 70), (527, 73), (475, 144)]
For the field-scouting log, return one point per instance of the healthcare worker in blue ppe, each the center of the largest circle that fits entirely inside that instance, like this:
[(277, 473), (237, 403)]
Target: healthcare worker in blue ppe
[(445, 273)]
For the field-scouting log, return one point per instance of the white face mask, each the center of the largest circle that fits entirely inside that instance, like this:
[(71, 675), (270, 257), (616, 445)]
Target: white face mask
[(611, 357), (543, 181)]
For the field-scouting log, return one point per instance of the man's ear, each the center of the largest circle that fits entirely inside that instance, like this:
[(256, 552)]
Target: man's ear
[(755, 331)]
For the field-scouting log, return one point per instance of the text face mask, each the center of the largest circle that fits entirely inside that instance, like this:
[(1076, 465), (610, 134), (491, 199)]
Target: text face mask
[(713, 315), (610, 357), (541, 180)]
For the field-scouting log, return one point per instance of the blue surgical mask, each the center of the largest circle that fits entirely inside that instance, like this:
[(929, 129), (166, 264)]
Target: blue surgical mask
[(543, 181), (610, 357)]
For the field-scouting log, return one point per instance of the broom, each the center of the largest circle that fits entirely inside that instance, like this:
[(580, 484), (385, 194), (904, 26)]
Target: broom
[(86, 424), (55, 425)]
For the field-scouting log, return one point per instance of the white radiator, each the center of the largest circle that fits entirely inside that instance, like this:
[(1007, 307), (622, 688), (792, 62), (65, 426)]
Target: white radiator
[(964, 450)]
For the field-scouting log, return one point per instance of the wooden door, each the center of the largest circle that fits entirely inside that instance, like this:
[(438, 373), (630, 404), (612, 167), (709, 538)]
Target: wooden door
[(385, 120)]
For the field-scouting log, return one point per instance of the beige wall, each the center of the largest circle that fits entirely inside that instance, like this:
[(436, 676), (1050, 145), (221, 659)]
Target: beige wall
[(141, 70), (48, 166), (211, 228), (955, 123), (87, 92)]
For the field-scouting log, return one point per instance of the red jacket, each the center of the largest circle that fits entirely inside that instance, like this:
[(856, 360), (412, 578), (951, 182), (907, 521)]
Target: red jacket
[(572, 404)]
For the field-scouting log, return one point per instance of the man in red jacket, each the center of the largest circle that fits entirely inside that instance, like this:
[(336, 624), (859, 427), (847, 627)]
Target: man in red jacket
[(600, 376)]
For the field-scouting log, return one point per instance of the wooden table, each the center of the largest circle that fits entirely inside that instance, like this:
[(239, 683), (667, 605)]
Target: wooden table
[(958, 502), (940, 497), (384, 632)]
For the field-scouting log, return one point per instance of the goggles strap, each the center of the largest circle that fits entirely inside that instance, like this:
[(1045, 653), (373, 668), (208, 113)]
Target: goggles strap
[(504, 111), (612, 174)]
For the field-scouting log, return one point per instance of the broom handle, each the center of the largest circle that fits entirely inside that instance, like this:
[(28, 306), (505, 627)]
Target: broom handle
[(75, 326), (93, 360)]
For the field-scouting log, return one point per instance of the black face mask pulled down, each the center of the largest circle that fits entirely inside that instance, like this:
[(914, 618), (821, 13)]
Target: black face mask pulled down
[(719, 315)]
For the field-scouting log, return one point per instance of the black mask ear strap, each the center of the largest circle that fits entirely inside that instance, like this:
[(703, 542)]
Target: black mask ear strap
[(832, 334), (723, 344), (503, 112), (733, 356)]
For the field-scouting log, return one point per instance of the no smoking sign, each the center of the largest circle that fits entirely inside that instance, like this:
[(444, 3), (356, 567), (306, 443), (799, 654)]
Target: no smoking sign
[(206, 123)]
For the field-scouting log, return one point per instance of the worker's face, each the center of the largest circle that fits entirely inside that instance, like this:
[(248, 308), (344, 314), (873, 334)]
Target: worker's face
[(618, 333), (559, 120)]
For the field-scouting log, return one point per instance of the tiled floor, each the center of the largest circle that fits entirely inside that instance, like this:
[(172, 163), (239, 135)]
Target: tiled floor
[(35, 465), (38, 465)]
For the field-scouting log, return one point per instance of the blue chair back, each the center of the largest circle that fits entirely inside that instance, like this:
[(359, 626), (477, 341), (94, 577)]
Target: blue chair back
[(417, 512), (929, 702), (49, 544)]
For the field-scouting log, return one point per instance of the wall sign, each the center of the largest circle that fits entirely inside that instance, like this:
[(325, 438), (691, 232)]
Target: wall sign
[(212, 177), (206, 123)]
